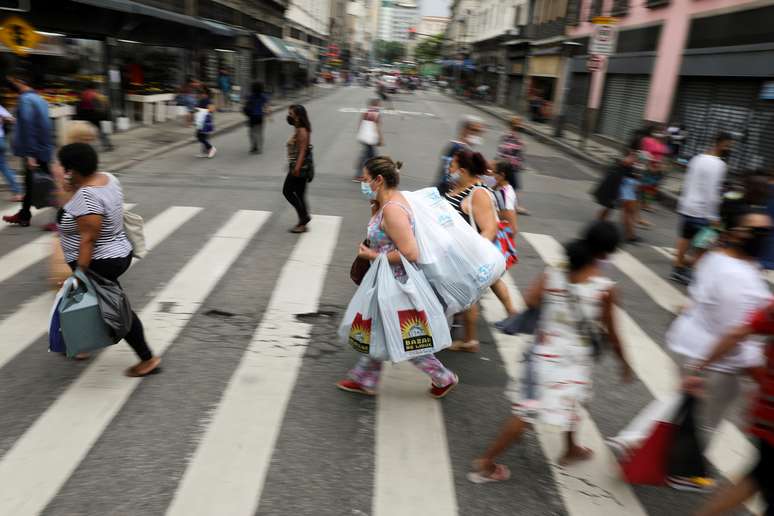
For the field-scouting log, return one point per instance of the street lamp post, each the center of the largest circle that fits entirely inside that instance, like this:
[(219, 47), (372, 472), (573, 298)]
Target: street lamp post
[(569, 49)]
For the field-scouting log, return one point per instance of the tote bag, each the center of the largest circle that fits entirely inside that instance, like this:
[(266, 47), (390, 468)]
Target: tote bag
[(368, 133), (134, 227)]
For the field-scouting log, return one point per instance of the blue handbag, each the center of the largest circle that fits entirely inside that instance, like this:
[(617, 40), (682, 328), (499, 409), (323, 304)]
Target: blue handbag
[(56, 342)]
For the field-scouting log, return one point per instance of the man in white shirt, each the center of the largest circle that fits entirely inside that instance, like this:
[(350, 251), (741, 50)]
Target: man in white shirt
[(699, 203)]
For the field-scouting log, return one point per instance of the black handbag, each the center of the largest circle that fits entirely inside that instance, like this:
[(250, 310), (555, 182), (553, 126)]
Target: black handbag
[(307, 167), (523, 322), (113, 305), (596, 335), (43, 188)]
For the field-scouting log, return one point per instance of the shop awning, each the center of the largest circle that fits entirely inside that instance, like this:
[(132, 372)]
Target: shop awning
[(128, 6), (278, 48)]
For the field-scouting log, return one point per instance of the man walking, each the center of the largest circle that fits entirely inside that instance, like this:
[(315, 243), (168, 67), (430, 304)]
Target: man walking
[(700, 199), (471, 128), (33, 141)]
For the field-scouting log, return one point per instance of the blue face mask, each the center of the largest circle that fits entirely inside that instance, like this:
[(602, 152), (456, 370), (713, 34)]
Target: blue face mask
[(366, 190)]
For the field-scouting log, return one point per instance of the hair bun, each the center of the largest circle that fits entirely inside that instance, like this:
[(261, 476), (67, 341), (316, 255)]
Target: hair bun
[(398, 165)]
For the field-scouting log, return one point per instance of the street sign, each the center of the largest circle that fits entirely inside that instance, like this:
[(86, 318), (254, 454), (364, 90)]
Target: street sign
[(605, 36), (18, 35), (594, 62)]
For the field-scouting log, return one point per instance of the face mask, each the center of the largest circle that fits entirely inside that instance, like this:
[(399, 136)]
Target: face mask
[(365, 189), (755, 245), (474, 140), (490, 181), (290, 120), (454, 177)]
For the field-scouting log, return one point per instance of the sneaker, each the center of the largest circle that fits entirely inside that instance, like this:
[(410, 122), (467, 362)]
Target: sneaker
[(353, 386), (694, 484), (16, 219), (212, 152), (202, 155), (439, 392), (51, 226)]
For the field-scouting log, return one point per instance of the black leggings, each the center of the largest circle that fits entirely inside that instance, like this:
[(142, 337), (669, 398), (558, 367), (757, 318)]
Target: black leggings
[(204, 139), (294, 191), (112, 268)]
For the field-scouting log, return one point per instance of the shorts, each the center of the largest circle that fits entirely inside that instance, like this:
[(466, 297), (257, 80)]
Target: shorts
[(763, 473), (629, 188), (690, 226)]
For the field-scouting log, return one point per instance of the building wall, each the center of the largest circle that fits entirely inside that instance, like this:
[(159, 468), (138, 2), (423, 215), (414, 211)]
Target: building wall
[(494, 17), (396, 18), (431, 25), (310, 14)]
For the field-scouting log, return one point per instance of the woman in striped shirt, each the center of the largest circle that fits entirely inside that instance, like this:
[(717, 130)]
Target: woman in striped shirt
[(91, 225)]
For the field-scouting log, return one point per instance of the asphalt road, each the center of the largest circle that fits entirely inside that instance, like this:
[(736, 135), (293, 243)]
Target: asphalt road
[(245, 418)]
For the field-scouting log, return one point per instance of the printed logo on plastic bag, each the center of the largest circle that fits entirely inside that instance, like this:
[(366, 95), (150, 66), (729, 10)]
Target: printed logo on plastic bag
[(360, 334), (445, 220), (415, 330), (484, 275)]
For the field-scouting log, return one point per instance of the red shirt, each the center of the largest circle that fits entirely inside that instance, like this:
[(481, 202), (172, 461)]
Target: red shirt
[(762, 322)]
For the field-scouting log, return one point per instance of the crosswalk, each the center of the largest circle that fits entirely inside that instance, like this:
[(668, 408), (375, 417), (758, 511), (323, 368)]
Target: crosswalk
[(231, 463)]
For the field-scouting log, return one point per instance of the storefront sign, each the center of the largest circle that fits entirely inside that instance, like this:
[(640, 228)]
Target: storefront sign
[(517, 68), (18, 35), (605, 36), (545, 66)]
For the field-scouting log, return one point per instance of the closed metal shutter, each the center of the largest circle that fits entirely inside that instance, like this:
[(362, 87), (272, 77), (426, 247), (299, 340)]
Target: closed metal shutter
[(513, 100), (623, 105), (760, 139), (577, 98), (709, 106)]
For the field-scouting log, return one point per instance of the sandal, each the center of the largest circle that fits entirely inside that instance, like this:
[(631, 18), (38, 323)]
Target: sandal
[(471, 346), (299, 229), (501, 473), (137, 371)]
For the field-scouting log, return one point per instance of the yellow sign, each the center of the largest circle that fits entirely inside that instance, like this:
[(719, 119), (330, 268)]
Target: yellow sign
[(604, 20), (18, 35)]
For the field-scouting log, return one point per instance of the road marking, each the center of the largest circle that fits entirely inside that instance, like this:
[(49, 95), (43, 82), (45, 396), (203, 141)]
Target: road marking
[(668, 252), (40, 462), (28, 254), (388, 112), (227, 472), (729, 451), (30, 321), (590, 487), (411, 447)]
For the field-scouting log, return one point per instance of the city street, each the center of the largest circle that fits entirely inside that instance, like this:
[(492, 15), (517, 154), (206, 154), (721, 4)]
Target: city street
[(245, 418)]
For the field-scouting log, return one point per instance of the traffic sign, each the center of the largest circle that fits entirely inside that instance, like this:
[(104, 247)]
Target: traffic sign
[(18, 35), (605, 36), (594, 63)]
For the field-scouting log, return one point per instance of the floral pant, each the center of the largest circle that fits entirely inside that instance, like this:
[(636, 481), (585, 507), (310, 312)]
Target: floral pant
[(367, 371)]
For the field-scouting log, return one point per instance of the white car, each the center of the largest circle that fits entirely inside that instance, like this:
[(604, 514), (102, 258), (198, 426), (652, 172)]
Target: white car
[(390, 83)]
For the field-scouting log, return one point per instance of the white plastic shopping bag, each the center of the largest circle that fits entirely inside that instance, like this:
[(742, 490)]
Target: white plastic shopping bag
[(360, 326), (412, 316), (368, 132), (199, 117), (458, 262)]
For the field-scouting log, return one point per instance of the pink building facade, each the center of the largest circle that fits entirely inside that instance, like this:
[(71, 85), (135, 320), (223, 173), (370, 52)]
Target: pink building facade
[(707, 64)]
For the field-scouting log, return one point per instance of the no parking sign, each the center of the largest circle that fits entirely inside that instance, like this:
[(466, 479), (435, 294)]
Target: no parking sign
[(605, 36)]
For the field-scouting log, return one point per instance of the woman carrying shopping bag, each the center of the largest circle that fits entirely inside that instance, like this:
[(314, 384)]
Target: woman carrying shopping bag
[(475, 203), (574, 301), (391, 232), (91, 225)]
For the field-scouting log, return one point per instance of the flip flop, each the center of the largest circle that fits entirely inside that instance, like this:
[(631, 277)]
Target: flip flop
[(501, 473)]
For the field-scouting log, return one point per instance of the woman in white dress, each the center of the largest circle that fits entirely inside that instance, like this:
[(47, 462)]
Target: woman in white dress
[(576, 304)]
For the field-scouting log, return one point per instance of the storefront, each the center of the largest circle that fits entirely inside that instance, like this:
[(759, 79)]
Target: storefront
[(279, 66), (516, 64), (544, 71)]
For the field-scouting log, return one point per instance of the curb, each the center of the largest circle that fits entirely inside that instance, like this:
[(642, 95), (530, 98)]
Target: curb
[(668, 199), (122, 165)]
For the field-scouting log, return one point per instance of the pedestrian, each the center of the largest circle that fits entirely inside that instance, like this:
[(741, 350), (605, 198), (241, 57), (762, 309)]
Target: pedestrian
[(205, 124), (700, 199), (654, 143), (475, 203), (573, 299), (505, 195), (6, 119), (187, 97), (391, 232), (93, 237), (92, 108), (224, 85), (370, 135), (726, 288), (469, 136), (635, 165), (511, 151), (33, 141), (761, 477), (299, 165), (256, 110)]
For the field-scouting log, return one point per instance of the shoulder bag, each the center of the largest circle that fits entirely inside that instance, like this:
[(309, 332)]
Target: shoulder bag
[(134, 227)]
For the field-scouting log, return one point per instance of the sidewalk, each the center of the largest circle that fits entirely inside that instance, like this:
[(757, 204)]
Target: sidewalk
[(596, 154), (144, 142)]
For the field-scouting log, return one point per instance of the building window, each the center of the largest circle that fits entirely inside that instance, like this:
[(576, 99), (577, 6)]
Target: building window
[(517, 17), (620, 8), (573, 12), (596, 9), (652, 4)]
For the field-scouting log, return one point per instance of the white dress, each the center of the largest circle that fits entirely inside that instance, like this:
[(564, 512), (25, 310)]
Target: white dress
[(557, 378)]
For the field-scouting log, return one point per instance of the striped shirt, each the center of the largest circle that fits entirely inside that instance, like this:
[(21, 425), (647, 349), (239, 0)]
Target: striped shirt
[(107, 201)]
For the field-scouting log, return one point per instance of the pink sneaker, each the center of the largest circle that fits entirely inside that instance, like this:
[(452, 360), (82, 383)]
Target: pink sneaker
[(440, 392), (353, 386)]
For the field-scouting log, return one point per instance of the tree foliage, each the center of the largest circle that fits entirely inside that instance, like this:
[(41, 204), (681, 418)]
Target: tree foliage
[(429, 50), (389, 51)]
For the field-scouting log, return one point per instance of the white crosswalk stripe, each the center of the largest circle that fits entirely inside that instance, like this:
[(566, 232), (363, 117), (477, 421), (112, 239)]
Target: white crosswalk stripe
[(229, 468)]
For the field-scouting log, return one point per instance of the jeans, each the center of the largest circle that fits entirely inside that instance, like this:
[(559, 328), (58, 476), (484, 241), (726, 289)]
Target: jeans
[(25, 212), (10, 175), (369, 151), (204, 139), (255, 132), (112, 268), (294, 191)]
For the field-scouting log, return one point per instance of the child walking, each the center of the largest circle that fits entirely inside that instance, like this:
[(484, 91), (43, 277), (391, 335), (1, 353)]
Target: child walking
[(205, 124)]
